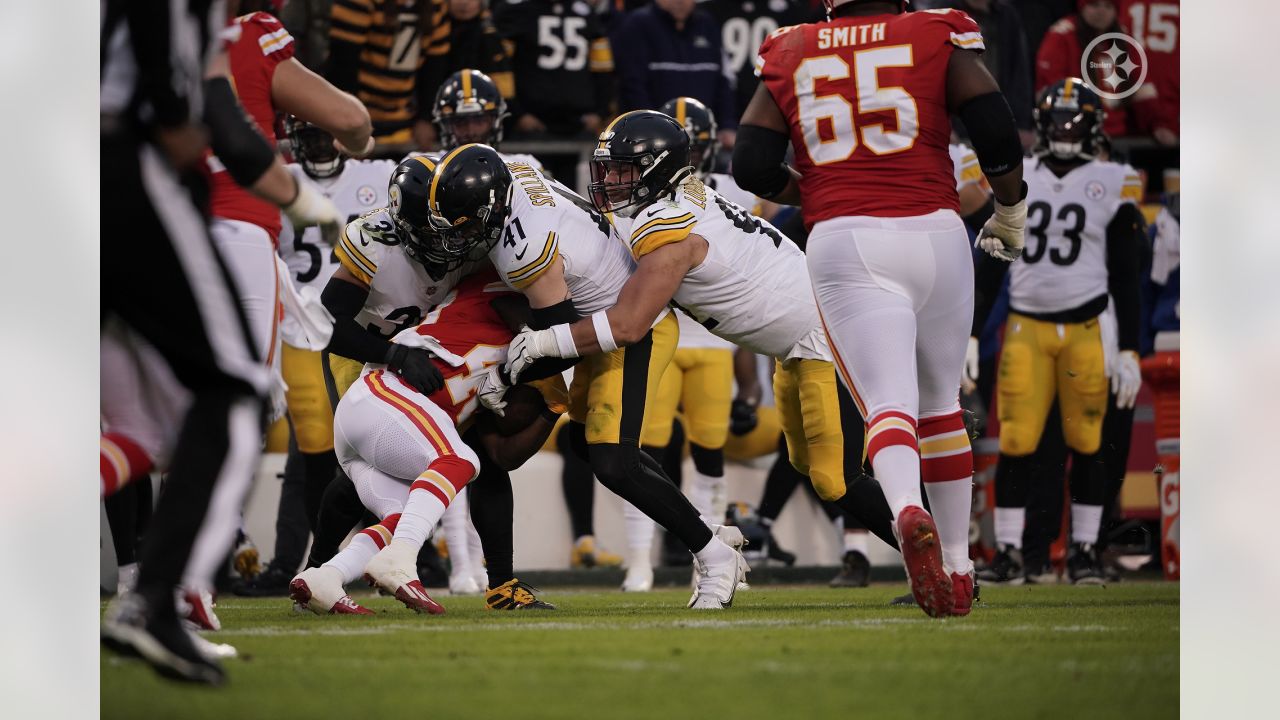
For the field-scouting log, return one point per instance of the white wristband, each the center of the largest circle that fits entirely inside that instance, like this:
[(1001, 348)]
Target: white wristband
[(565, 346), (604, 333)]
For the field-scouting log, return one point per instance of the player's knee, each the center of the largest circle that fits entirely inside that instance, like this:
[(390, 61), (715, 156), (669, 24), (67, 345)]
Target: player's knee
[(313, 434), (706, 460), (1084, 437), (614, 465), (459, 468), (829, 487), (1017, 439), (656, 434)]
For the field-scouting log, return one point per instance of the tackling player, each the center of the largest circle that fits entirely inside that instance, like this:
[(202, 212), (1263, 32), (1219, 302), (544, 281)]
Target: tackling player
[(866, 99), (1085, 231)]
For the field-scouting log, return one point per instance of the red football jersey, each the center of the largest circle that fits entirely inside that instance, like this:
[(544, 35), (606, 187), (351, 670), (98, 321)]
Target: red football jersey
[(261, 45), (867, 103), (468, 326), (1157, 25)]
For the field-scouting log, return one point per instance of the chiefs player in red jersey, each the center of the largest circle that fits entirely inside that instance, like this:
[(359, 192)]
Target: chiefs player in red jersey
[(403, 449), (866, 98)]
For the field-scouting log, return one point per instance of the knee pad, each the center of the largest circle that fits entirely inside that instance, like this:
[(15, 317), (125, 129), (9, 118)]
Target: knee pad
[(707, 461)]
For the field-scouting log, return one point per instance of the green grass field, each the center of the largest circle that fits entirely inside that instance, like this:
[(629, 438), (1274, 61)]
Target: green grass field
[(780, 652)]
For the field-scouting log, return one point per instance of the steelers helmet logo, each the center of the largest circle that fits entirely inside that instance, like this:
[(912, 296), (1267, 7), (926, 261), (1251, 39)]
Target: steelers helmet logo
[(393, 196), (366, 195), (1114, 65)]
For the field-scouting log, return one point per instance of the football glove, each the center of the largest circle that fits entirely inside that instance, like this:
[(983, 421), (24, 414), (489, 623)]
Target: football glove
[(1127, 379), (528, 346), (742, 417), (311, 207), (1002, 235), (969, 381), (492, 388), (415, 367)]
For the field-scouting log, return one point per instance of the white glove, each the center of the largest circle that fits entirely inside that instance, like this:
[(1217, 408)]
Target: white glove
[(526, 347), (492, 388), (969, 381), (1002, 235), (352, 152), (311, 207), (1127, 379)]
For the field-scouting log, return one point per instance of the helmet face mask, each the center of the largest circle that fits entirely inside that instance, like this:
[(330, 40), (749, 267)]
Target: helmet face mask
[(1068, 119), (642, 156), (700, 123), (471, 192), (312, 147), (469, 108)]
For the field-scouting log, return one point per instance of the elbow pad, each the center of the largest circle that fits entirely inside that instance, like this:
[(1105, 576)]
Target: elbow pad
[(562, 313), (758, 155), (993, 133), (242, 151)]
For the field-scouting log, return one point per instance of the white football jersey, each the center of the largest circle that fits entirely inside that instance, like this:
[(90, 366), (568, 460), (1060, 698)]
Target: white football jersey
[(752, 288), (401, 293), (1064, 264), (965, 163), (548, 220), (692, 334), (359, 188)]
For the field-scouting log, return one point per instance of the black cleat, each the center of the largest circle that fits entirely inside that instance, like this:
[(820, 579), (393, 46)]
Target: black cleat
[(135, 627), (272, 582), (1005, 567), (1083, 565), (854, 572), (908, 600)]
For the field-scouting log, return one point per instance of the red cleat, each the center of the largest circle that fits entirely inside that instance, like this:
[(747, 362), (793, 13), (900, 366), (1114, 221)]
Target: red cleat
[(322, 600), (196, 607), (922, 554), (415, 597), (962, 590)]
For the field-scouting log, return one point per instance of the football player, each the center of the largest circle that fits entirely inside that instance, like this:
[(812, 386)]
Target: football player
[(403, 447), (730, 271), (566, 258), (866, 100), (1084, 234)]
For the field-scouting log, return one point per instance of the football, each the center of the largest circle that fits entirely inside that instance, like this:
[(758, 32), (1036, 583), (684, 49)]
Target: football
[(523, 405)]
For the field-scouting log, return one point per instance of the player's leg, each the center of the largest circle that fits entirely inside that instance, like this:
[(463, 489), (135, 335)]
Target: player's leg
[(291, 533), (655, 440), (1082, 396), (456, 523), (707, 396), (779, 484), (311, 416), (621, 384)]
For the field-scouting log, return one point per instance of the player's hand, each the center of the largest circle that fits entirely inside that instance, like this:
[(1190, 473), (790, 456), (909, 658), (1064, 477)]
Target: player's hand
[(1002, 236), (492, 388), (415, 367), (1127, 379), (969, 381), (355, 152), (528, 346), (743, 417), (311, 207)]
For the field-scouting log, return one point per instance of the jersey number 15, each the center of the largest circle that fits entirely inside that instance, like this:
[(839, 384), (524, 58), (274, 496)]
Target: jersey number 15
[(837, 112)]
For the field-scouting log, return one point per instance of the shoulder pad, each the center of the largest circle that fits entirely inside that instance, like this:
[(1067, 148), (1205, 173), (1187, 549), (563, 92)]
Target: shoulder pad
[(525, 252), (663, 222), (361, 244)]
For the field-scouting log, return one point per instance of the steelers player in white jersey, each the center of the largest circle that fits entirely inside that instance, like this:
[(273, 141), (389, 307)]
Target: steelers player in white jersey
[(1084, 231), (732, 272), (971, 185), (567, 260)]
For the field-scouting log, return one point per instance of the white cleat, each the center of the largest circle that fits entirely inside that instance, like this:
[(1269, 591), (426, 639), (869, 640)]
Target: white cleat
[(394, 569), (639, 578), (732, 536), (212, 650), (718, 582), (464, 584), (320, 591)]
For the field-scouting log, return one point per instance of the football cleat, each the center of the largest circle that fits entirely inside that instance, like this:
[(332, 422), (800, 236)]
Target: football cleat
[(320, 591), (1005, 568), (732, 536), (196, 608), (717, 582), (922, 556), (963, 592), (515, 595), (1042, 574), (1084, 566), (463, 584), (135, 628), (212, 650), (272, 582), (585, 554), (392, 570), (244, 559), (855, 571), (639, 578)]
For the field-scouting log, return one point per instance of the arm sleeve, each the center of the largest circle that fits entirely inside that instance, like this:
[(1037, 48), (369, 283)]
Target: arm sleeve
[(1125, 235), (987, 278), (237, 143), (344, 300)]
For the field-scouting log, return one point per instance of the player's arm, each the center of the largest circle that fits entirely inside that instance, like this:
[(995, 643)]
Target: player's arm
[(512, 451), (759, 153), (306, 95), (1126, 234)]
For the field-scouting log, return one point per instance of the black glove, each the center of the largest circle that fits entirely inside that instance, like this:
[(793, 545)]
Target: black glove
[(742, 417), (414, 366)]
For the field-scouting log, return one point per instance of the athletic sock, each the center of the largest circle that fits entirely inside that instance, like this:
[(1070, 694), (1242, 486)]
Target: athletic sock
[(1085, 522), (951, 507), (120, 461), (1010, 522), (429, 497), (893, 450), (707, 494), (855, 541), (454, 522), (350, 561), (715, 551), (639, 528)]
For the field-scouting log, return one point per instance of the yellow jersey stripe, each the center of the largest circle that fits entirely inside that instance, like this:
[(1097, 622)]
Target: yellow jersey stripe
[(369, 266), (657, 239), (548, 249), (652, 224)]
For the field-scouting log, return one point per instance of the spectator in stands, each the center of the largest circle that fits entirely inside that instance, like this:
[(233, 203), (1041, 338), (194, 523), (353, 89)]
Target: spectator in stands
[(1059, 55), (474, 43), (392, 54), (308, 22), (744, 24), (1007, 55), (1040, 15), (1156, 24), (671, 49), (563, 65)]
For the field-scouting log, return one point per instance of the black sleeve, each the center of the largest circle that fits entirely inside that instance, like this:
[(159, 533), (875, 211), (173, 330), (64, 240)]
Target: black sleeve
[(344, 300), (987, 278), (159, 84), (1125, 235), (237, 143), (562, 312), (993, 133), (759, 156)]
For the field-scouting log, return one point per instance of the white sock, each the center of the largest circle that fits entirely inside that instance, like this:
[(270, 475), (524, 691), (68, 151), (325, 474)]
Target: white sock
[(639, 528), (897, 467), (715, 551), (707, 494), (1009, 525), (1086, 520), (951, 504), (455, 521), (350, 561), (421, 513), (855, 541)]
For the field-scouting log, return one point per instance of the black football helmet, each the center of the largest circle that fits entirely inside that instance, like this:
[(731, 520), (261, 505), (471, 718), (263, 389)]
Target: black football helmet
[(1069, 117), (469, 108), (700, 123), (312, 147), (409, 194), (470, 200), (641, 156)]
